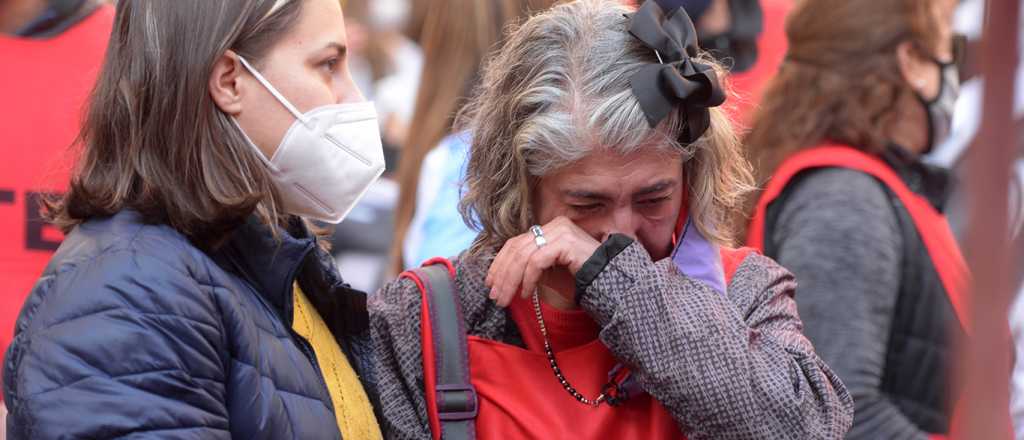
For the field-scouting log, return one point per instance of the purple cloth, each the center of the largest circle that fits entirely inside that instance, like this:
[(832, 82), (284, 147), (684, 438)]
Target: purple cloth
[(699, 259)]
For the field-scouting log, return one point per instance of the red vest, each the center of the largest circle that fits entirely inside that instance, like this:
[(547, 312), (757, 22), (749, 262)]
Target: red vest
[(44, 84), (931, 225)]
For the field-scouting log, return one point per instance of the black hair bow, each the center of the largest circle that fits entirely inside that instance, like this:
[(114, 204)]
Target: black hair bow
[(678, 79)]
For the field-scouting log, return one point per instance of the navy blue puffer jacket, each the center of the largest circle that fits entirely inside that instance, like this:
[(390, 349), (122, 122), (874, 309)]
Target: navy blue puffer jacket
[(132, 331)]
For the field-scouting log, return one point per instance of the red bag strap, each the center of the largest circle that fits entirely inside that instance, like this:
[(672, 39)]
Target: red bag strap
[(451, 398)]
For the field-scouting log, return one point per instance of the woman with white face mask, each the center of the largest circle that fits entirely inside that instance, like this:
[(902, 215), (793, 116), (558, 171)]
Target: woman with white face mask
[(190, 298), (868, 87)]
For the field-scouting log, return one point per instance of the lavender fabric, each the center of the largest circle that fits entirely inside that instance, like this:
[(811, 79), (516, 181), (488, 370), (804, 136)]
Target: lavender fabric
[(699, 259)]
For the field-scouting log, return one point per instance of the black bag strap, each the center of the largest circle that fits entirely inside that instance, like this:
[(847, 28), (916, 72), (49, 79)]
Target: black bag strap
[(455, 395)]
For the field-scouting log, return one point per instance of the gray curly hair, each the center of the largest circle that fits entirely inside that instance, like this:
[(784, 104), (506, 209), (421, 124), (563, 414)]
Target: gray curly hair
[(557, 91)]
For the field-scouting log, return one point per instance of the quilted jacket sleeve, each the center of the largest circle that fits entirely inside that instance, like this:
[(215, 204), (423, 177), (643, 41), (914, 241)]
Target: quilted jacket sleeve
[(118, 346), (730, 366)]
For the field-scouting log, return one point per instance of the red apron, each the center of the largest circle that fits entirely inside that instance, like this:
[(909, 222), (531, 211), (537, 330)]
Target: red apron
[(520, 397), (44, 84)]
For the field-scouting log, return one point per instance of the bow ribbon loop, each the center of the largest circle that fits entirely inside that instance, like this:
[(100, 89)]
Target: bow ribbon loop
[(680, 81)]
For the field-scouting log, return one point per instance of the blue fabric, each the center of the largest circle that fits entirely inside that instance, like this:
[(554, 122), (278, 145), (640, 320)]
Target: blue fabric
[(132, 331), (444, 233)]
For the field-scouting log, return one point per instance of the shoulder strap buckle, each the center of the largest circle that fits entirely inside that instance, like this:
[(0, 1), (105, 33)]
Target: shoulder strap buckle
[(457, 402)]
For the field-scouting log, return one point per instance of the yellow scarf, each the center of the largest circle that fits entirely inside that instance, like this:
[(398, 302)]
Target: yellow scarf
[(351, 406)]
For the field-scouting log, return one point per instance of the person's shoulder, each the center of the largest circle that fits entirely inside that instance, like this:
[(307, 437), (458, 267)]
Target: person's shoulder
[(840, 186), (121, 263), (471, 274), (756, 278), (831, 207), (753, 266), (466, 271), (836, 204), (124, 243)]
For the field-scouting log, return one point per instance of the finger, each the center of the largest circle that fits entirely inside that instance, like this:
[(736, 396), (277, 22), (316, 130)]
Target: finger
[(576, 245), (495, 264), (514, 276), (499, 261), (515, 287), (540, 261), (511, 276)]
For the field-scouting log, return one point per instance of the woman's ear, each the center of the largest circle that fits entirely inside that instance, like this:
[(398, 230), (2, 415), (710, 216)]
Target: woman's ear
[(913, 67), (225, 87)]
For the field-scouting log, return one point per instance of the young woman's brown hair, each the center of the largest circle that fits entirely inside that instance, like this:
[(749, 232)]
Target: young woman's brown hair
[(838, 82), (154, 143), (457, 35)]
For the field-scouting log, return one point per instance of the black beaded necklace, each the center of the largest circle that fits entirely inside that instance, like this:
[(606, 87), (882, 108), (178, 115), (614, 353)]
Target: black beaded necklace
[(554, 364)]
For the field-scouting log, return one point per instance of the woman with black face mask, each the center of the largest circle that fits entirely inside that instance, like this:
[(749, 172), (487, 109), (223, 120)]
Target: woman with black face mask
[(867, 87)]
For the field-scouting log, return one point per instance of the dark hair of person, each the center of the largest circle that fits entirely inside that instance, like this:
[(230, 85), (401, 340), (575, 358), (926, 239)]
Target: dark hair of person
[(154, 141)]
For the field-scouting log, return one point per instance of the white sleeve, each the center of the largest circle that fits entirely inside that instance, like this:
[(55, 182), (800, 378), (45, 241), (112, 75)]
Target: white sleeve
[(429, 184)]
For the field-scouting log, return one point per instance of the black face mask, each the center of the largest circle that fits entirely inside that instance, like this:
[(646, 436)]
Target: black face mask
[(737, 47), (940, 108)]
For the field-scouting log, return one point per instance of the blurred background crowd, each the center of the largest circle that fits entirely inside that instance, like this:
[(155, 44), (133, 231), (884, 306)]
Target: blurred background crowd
[(418, 60)]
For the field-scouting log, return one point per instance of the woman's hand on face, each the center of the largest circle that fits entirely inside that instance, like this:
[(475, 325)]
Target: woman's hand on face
[(520, 263)]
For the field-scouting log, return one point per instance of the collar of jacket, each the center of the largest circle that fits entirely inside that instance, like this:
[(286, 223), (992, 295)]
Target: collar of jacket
[(270, 264), (932, 182), (273, 265)]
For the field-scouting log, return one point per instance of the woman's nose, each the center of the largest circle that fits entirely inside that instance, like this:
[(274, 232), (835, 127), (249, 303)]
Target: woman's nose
[(623, 221), (349, 91)]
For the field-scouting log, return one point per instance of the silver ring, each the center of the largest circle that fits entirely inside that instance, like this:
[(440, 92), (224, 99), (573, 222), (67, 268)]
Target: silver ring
[(538, 236)]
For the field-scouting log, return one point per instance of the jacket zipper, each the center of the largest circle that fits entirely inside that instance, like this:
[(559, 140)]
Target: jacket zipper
[(307, 349)]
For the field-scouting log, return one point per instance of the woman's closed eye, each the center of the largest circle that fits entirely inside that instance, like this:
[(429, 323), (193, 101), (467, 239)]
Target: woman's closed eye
[(653, 202), (586, 208)]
